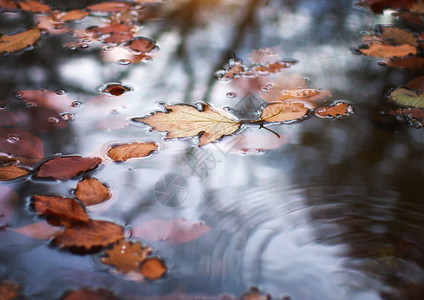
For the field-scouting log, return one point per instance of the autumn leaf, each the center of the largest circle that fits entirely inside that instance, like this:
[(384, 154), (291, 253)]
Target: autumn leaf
[(309, 95), (416, 84), (133, 150), (385, 51), (39, 120), (91, 191), (6, 116), (153, 268), (8, 201), (286, 111), (174, 231), (88, 294), (9, 290), (272, 67), (141, 45), (11, 172), (58, 100), (19, 41), (398, 36), (34, 6), (335, 110), (39, 230), (20, 144), (378, 6), (408, 113), (89, 235), (126, 256), (71, 15), (407, 98), (408, 62), (60, 208), (109, 7), (67, 167), (8, 4), (180, 121)]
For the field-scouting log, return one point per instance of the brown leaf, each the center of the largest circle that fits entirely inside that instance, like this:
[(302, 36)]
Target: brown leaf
[(378, 6), (142, 45), (336, 109), (174, 231), (408, 62), (416, 84), (110, 6), (133, 150), (11, 172), (383, 51), (71, 15), (188, 121), (39, 120), (87, 294), (122, 55), (34, 6), (90, 235), (255, 294), (50, 24), (126, 256), (9, 290), (60, 208), (91, 191), (284, 82), (49, 99), (284, 111), (310, 95), (153, 268), (7, 117), (8, 201), (39, 230), (67, 167), (399, 36), (20, 144), (272, 67), (8, 4), (409, 113), (19, 41)]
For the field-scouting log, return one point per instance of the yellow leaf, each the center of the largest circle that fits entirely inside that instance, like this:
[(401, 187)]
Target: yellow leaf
[(180, 121), (18, 41)]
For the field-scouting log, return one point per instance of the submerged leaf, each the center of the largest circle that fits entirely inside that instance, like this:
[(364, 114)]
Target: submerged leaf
[(141, 45), (126, 256), (174, 231), (182, 120), (133, 150), (39, 230), (90, 235), (20, 144), (11, 172), (407, 98), (67, 167), (19, 41), (284, 111), (91, 191), (61, 208)]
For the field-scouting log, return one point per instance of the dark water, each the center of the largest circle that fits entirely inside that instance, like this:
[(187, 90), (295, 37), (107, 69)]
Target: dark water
[(334, 212)]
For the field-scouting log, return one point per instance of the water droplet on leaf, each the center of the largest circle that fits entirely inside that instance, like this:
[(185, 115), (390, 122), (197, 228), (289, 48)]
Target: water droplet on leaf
[(231, 95), (13, 138), (67, 116), (76, 104)]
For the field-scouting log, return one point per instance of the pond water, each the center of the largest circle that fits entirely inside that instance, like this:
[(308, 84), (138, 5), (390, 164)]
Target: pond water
[(330, 209)]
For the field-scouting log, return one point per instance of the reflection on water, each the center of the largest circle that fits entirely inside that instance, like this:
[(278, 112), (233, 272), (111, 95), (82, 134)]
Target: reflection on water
[(330, 210)]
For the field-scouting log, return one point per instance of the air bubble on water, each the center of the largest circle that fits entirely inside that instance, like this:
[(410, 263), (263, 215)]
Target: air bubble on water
[(60, 26), (263, 73), (31, 104), (228, 109), (18, 95), (231, 94), (415, 123), (76, 104), (123, 62), (72, 47), (67, 116), (84, 46), (52, 120), (3, 107), (13, 138), (60, 92), (147, 59), (355, 51), (108, 48), (401, 118), (264, 89), (270, 85)]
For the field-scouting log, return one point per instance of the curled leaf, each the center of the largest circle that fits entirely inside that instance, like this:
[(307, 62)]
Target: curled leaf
[(19, 41), (11, 172), (407, 98), (182, 120), (133, 150), (126, 256), (61, 208), (89, 235), (286, 111), (91, 191), (39, 230), (67, 167), (337, 109)]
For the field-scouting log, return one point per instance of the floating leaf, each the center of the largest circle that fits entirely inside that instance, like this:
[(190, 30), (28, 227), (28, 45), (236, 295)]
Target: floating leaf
[(34, 6), (58, 101), (87, 294), (142, 45), (383, 51), (310, 95), (6, 117), (39, 230), (60, 208), (399, 36), (334, 110), (408, 113), (11, 172), (408, 62), (133, 150), (416, 84), (378, 6), (19, 41), (126, 256), (407, 98), (153, 268), (89, 235), (91, 191), (8, 201), (67, 167), (272, 67), (20, 144), (174, 231), (9, 290), (8, 4), (71, 15), (110, 6), (284, 111), (188, 121)]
